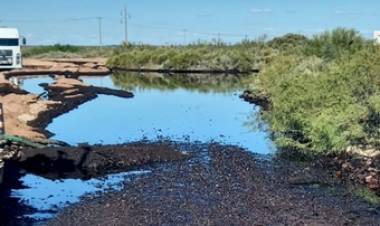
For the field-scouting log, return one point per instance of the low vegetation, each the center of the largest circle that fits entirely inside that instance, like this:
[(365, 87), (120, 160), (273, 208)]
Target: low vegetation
[(324, 92), (66, 51), (368, 195), (244, 57)]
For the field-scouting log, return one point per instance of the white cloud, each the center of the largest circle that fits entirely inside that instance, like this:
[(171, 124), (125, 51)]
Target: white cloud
[(344, 12), (269, 29), (260, 11)]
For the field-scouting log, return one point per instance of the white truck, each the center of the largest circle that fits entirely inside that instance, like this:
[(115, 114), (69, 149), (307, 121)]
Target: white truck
[(10, 50)]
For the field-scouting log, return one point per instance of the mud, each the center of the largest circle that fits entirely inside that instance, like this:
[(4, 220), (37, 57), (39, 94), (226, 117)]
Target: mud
[(223, 185), (363, 170), (253, 98), (85, 162)]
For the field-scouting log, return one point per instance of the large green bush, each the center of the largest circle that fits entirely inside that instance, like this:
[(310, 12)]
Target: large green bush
[(326, 99), (332, 44)]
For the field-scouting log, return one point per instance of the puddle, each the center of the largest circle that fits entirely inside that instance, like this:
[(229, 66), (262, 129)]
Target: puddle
[(47, 196), (178, 114), (31, 83), (163, 108)]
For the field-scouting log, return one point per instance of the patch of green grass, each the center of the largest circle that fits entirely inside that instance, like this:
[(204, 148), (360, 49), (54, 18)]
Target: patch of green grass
[(367, 195)]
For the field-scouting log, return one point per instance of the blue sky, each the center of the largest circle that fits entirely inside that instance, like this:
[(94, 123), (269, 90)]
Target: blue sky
[(165, 21)]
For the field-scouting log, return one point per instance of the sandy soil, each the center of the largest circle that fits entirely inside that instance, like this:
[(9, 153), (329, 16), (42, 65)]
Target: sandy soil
[(75, 67), (20, 108)]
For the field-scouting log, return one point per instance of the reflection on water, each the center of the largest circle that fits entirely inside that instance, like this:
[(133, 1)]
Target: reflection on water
[(179, 114), (31, 83), (197, 82)]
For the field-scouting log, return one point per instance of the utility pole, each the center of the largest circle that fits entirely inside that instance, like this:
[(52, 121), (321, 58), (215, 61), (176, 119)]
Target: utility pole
[(100, 30), (125, 25), (184, 36)]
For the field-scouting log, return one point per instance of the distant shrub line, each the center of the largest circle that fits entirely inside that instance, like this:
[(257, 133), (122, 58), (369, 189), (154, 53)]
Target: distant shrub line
[(66, 51)]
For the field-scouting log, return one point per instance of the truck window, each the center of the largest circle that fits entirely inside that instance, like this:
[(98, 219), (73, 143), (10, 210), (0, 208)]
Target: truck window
[(9, 42)]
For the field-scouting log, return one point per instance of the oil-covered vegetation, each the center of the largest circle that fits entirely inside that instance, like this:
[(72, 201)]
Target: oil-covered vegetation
[(324, 92), (66, 51), (243, 57)]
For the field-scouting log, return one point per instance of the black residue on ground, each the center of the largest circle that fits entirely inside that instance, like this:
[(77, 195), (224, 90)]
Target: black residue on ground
[(225, 185)]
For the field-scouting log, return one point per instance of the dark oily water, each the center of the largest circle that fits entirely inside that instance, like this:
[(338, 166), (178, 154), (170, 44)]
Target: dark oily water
[(31, 200), (164, 108), (48, 196), (180, 108)]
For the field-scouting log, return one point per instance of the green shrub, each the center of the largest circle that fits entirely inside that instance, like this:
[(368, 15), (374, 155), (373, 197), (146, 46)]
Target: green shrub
[(320, 106), (332, 44)]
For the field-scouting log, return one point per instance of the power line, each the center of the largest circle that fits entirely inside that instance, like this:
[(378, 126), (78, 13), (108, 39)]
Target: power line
[(48, 20), (125, 19), (218, 36), (125, 25), (100, 30), (184, 36)]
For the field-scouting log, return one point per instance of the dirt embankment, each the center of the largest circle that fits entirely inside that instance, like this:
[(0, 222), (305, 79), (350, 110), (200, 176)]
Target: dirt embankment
[(93, 161), (226, 186), (253, 98), (20, 107), (72, 67)]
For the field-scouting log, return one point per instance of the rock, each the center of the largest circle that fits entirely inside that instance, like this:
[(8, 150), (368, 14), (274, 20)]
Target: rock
[(372, 182), (347, 166), (371, 169), (364, 152), (26, 118), (2, 143), (90, 65)]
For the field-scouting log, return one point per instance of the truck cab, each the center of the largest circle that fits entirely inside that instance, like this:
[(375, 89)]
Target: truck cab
[(10, 50)]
